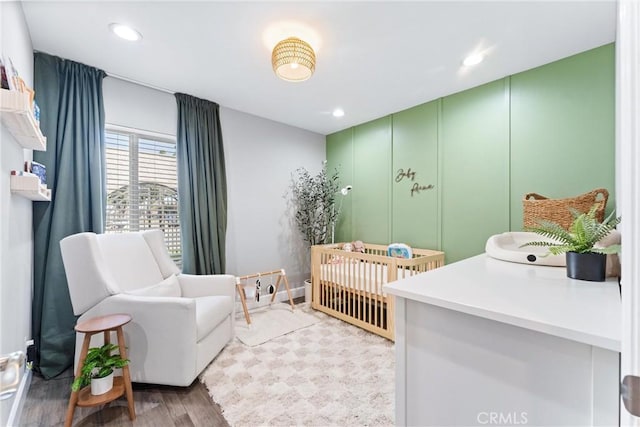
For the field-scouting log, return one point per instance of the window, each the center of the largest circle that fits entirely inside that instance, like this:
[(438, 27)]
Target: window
[(142, 185)]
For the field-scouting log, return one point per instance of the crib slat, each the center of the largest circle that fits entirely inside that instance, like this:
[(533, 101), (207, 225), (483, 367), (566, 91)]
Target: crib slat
[(358, 277), (368, 285), (333, 286), (350, 285), (376, 293), (367, 292)]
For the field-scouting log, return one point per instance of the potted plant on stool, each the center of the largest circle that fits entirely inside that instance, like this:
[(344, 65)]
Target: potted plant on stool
[(97, 369), (585, 261)]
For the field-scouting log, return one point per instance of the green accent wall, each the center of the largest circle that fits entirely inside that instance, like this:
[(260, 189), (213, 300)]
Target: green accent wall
[(549, 130), (371, 220), (415, 166), (563, 129), (340, 157), (475, 168)]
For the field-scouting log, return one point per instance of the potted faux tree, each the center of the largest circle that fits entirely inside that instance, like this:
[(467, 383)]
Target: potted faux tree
[(97, 369), (314, 204), (585, 260), (314, 198)]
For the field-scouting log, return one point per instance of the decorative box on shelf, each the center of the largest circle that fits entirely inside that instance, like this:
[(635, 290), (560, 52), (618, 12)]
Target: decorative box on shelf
[(29, 186), (16, 113)]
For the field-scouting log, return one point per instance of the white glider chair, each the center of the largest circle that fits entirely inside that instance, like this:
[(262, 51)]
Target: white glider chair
[(180, 321)]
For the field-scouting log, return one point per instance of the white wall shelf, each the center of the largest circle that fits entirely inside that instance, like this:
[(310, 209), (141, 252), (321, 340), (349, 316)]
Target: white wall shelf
[(30, 188), (16, 114)]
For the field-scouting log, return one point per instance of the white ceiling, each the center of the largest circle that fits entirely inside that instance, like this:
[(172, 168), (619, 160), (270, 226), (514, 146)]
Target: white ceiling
[(373, 58)]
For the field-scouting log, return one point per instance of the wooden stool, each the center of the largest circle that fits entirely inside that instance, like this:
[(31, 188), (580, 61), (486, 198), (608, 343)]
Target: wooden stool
[(121, 385)]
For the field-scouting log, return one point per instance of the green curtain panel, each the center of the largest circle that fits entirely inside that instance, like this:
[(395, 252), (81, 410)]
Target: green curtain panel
[(202, 186), (72, 118)]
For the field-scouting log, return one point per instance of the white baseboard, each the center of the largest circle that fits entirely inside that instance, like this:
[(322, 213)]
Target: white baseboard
[(265, 299)]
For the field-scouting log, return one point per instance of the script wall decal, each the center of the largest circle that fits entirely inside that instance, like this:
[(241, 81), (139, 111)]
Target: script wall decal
[(410, 175)]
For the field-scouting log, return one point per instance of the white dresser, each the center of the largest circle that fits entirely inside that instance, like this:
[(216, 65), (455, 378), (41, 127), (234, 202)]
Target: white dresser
[(487, 342)]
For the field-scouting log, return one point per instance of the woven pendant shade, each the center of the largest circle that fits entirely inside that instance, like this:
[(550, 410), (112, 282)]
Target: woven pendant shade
[(293, 60)]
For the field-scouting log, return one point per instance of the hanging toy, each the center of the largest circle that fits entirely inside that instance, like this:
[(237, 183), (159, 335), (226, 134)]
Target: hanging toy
[(258, 287), (271, 289)]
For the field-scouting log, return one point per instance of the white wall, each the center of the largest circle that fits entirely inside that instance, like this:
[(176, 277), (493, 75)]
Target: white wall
[(16, 235), (260, 156), (139, 107)]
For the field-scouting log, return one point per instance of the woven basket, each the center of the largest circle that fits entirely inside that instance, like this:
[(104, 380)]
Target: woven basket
[(536, 207)]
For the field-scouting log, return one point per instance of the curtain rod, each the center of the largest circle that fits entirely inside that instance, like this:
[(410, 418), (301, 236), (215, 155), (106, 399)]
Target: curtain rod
[(150, 86), (126, 79)]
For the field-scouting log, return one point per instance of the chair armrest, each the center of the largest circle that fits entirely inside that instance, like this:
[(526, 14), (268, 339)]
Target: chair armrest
[(159, 312), (194, 286)]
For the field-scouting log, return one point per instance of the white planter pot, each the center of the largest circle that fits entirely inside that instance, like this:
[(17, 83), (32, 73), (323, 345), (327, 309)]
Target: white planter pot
[(101, 385), (307, 291)]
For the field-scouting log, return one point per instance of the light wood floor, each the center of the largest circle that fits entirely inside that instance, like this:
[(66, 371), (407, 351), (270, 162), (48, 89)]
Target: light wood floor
[(156, 406)]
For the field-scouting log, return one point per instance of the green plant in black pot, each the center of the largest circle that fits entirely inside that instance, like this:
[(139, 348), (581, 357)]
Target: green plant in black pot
[(99, 363), (585, 260)]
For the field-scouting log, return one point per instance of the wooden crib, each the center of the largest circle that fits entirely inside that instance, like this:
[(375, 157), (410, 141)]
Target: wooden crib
[(348, 285)]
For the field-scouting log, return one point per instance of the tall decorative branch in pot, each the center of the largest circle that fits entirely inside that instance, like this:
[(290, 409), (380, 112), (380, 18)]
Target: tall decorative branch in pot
[(314, 198), (586, 260)]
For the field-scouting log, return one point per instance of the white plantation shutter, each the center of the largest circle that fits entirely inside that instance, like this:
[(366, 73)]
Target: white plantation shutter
[(142, 185)]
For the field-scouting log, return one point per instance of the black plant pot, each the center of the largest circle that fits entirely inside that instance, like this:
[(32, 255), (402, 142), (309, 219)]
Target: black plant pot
[(588, 266)]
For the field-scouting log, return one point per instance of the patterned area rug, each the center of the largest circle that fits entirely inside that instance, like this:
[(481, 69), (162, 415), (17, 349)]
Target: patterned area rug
[(271, 322), (330, 374)]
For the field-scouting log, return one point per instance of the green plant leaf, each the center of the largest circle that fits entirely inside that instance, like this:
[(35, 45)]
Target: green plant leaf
[(611, 249), (314, 203), (584, 232), (98, 363), (103, 372)]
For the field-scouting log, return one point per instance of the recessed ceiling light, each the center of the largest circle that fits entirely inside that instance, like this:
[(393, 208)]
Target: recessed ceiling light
[(125, 32), (473, 59), (338, 112)]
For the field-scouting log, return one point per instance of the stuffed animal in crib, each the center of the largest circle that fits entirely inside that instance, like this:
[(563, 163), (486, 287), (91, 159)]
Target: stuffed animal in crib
[(347, 247), (358, 246)]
